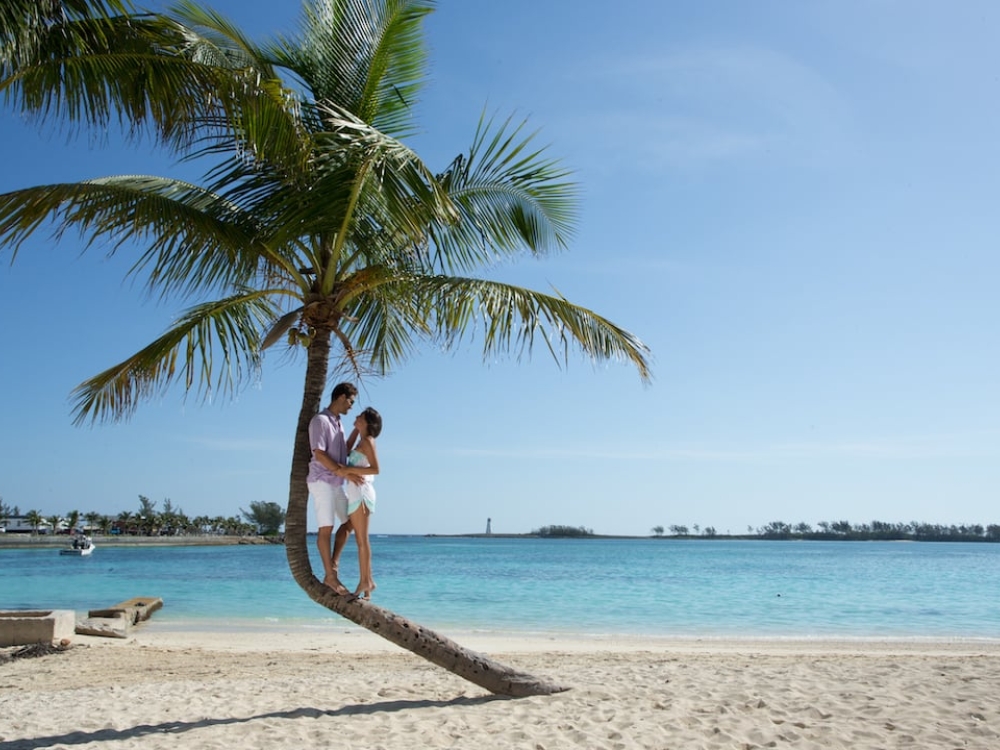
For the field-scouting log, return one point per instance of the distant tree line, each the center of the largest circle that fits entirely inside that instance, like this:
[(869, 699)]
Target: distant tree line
[(846, 531), (881, 530), (563, 531), (265, 518)]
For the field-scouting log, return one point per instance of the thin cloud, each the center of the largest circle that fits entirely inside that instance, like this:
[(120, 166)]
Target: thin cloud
[(711, 104)]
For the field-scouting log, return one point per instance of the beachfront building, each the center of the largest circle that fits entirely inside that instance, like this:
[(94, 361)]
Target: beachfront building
[(22, 525)]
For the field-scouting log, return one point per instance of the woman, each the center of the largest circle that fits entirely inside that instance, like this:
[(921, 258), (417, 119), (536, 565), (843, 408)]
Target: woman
[(362, 462)]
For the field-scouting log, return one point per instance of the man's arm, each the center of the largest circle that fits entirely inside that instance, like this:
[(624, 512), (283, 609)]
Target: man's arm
[(338, 470), (324, 458)]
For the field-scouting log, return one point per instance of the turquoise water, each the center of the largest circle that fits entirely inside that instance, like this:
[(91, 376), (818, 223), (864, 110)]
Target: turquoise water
[(650, 587)]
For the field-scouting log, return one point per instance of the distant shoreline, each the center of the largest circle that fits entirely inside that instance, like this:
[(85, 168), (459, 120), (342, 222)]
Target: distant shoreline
[(48, 541)]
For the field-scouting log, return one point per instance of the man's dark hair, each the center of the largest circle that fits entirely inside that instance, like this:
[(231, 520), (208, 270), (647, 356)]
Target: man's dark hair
[(343, 389)]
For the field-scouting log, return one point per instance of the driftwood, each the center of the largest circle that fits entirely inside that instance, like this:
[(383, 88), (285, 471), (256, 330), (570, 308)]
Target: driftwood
[(34, 650)]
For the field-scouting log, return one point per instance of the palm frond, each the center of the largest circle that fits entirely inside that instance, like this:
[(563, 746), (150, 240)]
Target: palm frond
[(385, 329), (511, 198), (188, 77), (98, 71), (22, 21), (366, 173), (280, 327), (360, 183), (213, 40), (382, 319), (263, 116), (508, 318), (366, 57), (214, 348), (194, 239)]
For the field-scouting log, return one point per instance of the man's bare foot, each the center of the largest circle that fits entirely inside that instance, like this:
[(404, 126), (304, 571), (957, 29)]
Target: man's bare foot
[(334, 583)]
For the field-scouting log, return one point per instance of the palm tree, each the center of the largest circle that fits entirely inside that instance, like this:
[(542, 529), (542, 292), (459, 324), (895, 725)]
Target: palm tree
[(149, 518), (126, 522), (172, 519), (315, 223), (35, 519)]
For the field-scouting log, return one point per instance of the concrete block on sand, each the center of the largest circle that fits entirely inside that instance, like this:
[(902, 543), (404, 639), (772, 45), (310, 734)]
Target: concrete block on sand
[(137, 609), (109, 624), (24, 627), (117, 621)]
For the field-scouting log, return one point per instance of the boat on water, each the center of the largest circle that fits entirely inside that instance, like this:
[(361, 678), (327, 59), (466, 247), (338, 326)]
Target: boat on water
[(82, 546)]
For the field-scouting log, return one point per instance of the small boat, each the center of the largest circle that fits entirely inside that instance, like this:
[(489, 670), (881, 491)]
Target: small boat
[(82, 546)]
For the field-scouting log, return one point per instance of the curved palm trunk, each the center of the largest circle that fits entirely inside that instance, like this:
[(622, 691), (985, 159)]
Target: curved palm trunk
[(472, 666)]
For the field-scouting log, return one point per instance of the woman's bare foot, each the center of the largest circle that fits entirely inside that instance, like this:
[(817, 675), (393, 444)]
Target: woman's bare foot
[(364, 590)]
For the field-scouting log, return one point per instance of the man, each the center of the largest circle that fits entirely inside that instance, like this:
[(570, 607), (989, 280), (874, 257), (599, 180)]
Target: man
[(326, 480)]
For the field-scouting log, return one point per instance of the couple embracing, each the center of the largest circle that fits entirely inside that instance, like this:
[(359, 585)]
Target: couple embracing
[(341, 474)]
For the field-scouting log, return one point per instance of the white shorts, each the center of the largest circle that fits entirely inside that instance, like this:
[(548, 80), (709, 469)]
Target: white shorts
[(331, 503)]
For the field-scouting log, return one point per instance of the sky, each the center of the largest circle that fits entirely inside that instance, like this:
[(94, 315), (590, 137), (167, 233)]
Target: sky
[(792, 204)]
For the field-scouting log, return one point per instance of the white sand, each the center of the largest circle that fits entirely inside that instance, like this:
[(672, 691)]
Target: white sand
[(343, 689)]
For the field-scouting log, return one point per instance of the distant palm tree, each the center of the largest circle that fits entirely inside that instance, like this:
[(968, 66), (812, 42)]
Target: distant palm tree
[(126, 522), (34, 518), (315, 223), (93, 519)]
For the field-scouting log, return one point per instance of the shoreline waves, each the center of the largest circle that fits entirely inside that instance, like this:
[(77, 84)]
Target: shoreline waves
[(343, 636)]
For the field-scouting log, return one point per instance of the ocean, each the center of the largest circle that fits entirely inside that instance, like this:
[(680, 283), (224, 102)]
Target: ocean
[(551, 587)]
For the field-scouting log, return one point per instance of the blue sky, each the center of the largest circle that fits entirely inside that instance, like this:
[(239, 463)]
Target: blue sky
[(792, 204)]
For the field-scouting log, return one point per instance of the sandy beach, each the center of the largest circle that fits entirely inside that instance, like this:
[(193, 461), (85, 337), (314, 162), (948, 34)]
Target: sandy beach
[(349, 689)]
